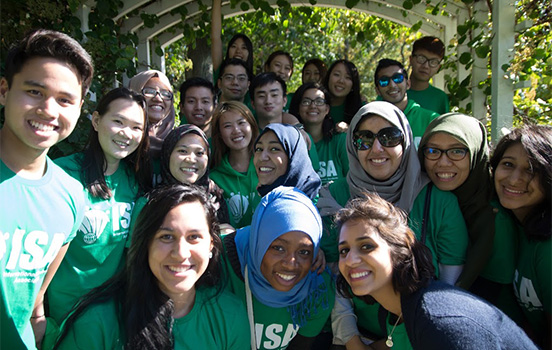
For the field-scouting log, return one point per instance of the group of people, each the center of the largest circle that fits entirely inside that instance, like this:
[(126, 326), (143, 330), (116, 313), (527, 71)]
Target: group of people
[(266, 220)]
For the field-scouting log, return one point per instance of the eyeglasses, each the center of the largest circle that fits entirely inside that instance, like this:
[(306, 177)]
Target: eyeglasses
[(229, 78), (433, 153), (151, 93), (317, 101), (397, 79), (421, 59), (387, 137)]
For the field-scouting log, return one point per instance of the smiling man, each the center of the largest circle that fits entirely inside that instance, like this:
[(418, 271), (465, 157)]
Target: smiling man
[(46, 78), (197, 102), (234, 80), (268, 98), (427, 54), (392, 82)]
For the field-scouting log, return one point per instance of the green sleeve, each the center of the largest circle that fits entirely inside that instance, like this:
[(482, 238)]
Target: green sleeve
[(316, 323), (543, 262), (446, 235)]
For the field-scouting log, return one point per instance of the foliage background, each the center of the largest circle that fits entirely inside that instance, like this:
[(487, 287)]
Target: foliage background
[(305, 32)]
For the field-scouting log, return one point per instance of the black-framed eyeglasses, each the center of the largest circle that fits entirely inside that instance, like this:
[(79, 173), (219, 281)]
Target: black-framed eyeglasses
[(151, 93), (317, 101), (397, 79), (421, 59), (433, 153), (387, 137)]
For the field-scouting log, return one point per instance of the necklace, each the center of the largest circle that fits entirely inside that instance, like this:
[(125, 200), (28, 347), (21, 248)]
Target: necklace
[(389, 341)]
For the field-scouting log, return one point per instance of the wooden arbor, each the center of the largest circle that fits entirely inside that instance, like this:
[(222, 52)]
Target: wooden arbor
[(444, 26)]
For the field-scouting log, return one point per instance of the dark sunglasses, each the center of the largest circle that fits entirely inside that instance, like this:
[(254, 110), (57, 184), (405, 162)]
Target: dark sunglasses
[(387, 137), (397, 79)]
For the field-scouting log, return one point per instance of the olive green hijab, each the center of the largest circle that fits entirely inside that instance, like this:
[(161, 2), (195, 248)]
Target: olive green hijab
[(474, 195)]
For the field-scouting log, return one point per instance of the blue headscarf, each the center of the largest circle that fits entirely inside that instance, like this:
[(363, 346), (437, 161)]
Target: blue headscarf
[(300, 173), (282, 210)]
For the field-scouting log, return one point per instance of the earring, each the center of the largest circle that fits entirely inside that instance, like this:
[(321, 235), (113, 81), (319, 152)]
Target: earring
[(210, 255)]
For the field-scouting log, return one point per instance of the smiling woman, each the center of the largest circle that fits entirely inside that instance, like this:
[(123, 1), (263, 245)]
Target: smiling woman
[(269, 264), (185, 160), (455, 155), (234, 133), (311, 105), (168, 295), (157, 90), (380, 259), (522, 164), (115, 171), (281, 159)]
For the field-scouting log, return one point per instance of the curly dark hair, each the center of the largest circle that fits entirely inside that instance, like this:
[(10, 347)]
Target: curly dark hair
[(412, 263)]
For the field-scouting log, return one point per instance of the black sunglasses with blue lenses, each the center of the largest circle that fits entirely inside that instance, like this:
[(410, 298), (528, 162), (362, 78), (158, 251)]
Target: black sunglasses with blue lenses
[(387, 137), (397, 79)]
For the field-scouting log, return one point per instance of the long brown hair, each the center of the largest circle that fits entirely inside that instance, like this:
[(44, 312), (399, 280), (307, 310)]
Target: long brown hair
[(219, 147)]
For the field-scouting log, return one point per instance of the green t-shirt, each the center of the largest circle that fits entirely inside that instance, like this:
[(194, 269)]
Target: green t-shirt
[(332, 157), (503, 260), (240, 191), (288, 103), (418, 118), (37, 217), (274, 326), (97, 252), (337, 113), (218, 322), (533, 282), (368, 319), (432, 98), (447, 235)]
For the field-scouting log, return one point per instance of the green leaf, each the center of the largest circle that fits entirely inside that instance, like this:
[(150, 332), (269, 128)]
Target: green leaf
[(159, 51), (244, 6), (463, 93), (465, 58), (416, 27), (462, 29), (408, 5), (351, 3), (121, 63), (265, 6), (482, 51)]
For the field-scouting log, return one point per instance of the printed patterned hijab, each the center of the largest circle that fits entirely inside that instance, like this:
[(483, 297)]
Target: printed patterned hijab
[(282, 210), (404, 185)]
